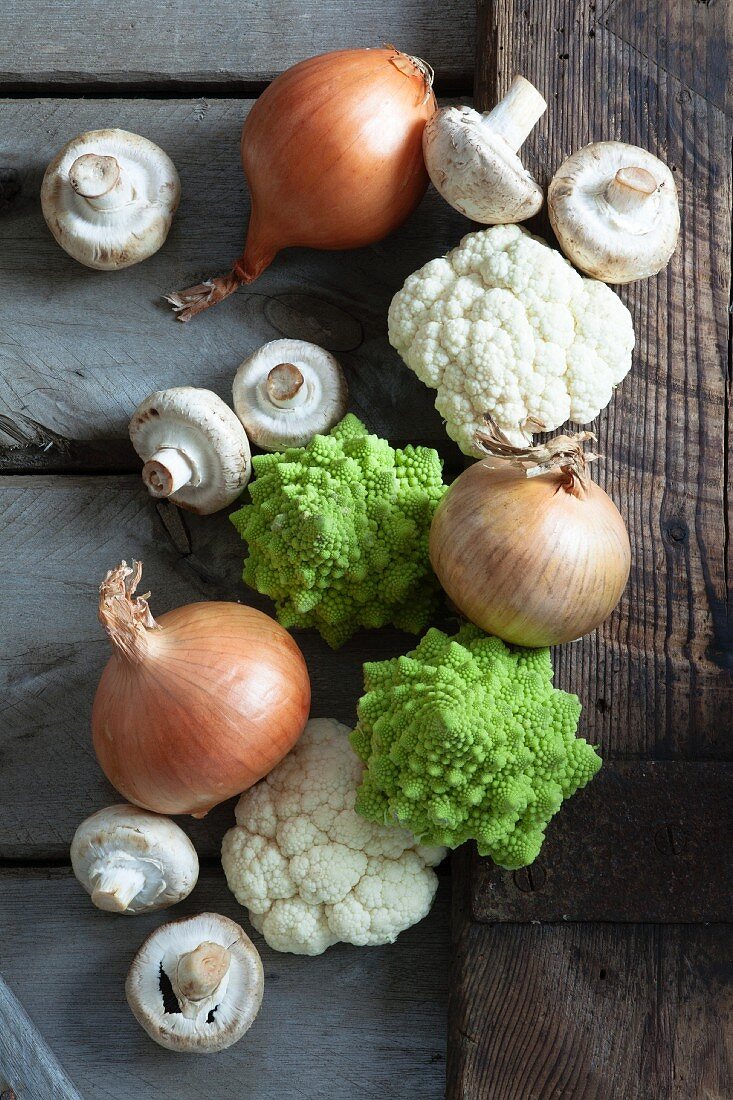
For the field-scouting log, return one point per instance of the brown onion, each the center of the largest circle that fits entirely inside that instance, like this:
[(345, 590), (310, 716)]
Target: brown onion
[(196, 707), (332, 152), (527, 546)]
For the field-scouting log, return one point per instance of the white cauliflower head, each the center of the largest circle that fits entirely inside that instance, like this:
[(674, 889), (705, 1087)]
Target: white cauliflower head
[(310, 870), (504, 325)]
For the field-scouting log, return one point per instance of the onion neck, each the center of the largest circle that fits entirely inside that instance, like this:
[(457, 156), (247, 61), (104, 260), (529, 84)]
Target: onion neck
[(125, 616), (563, 455)]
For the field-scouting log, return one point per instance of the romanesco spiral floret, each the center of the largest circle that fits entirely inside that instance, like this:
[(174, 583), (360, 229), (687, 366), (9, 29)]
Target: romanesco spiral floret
[(466, 738), (338, 532)]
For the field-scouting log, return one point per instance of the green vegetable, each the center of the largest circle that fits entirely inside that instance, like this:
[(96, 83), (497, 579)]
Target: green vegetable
[(466, 738), (338, 532)]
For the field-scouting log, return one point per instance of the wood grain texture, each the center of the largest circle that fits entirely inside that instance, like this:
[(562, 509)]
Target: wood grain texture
[(590, 1011), (58, 537), (584, 1011), (80, 349), (90, 43), (635, 846), (656, 680), (27, 1066), (354, 1022)]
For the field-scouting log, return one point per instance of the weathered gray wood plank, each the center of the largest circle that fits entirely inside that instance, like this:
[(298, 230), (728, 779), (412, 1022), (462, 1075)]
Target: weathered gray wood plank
[(93, 42), (28, 1068), (80, 349), (354, 1022), (58, 536)]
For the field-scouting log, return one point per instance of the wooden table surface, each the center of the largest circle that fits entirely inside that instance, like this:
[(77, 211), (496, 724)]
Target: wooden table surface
[(598, 1007), (78, 351)]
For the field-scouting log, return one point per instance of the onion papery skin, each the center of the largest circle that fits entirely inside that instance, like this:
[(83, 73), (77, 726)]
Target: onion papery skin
[(208, 705), (332, 152), (536, 561)]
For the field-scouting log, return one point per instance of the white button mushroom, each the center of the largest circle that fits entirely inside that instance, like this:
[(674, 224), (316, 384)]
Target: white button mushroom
[(287, 392), (131, 861), (472, 158), (196, 984), (614, 211), (194, 448), (109, 198)]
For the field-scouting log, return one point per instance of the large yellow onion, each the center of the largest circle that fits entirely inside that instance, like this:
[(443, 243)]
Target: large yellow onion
[(527, 546), (332, 152), (196, 706)]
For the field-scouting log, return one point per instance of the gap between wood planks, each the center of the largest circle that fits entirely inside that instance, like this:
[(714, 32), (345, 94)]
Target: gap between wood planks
[(67, 86)]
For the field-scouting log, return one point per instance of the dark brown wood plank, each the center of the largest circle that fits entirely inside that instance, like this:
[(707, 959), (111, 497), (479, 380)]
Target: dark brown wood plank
[(80, 349), (357, 1022), (656, 680), (584, 1011), (91, 42), (58, 536), (645, 842), (590, 1011)]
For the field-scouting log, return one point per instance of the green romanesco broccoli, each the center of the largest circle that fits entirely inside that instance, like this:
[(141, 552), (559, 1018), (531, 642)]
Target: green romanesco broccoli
[(338, 532), (466, 738)]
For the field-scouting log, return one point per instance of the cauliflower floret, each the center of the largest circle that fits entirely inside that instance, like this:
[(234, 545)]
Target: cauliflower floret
[(319, 872), (504, 325), (338, 532), (481, 746)]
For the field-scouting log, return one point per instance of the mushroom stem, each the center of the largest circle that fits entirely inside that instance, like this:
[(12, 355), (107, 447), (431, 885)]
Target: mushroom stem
[(116, 886), (199, 974), (167, 471), (100, 181), (630, 188), (285, 387), (517, 114)]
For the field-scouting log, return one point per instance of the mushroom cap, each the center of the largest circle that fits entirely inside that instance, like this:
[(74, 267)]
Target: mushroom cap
[(322, 401), (237, 999), (616, 246), (124, 836), (200, 425), (477, 171), (107, 239)]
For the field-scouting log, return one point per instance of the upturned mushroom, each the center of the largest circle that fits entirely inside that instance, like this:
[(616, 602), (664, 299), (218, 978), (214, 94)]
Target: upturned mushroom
[(472, 158), (287, 392), (614, 211), (196, 984), (131, 861), (109, 198), (195, 450)]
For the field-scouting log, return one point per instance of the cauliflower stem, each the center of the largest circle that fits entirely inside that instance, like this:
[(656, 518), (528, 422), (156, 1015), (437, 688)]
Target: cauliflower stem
[(466, 738)]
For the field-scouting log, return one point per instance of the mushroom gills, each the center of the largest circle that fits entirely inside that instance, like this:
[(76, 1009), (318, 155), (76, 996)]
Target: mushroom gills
[(130, 860), (196, 984)]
